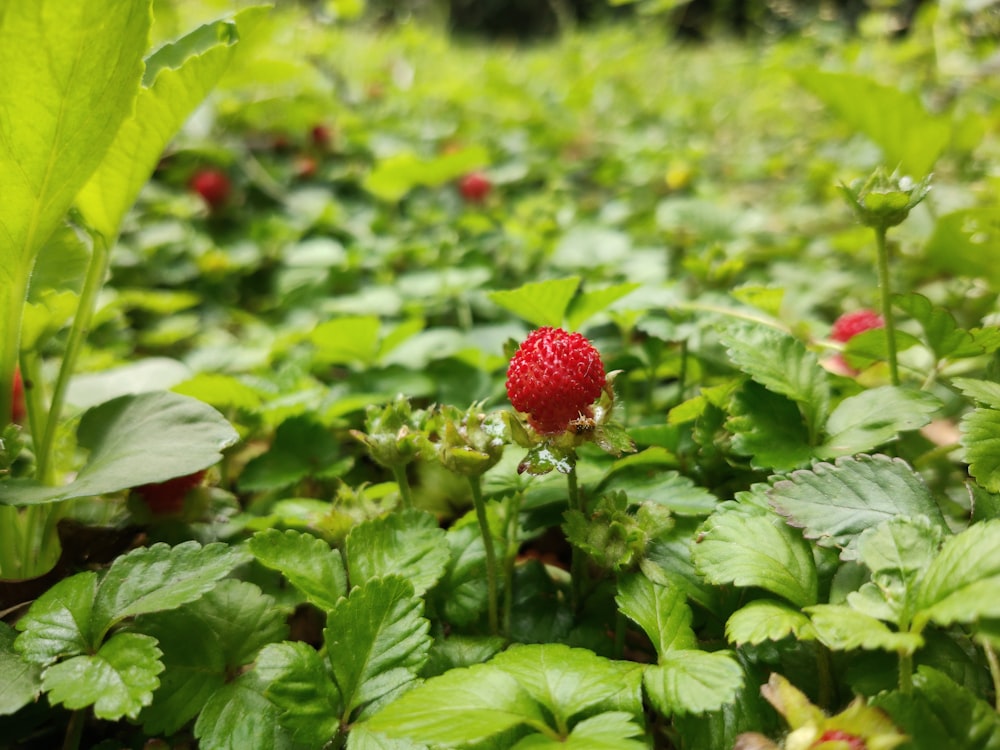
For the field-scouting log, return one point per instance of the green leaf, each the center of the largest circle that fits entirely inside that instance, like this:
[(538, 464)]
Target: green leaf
[(299, 683), (649, 482), (590, 302), (349, 340), (661, 611), (965, 241), (605, 731), (843, 628), (834, 503), (376, 640), (177, 78), (460, 707), (768, 427), (568, 681), (58, 622), (134, 440), (693, 682), (204, 643), (396, 175), (541, 303), (308, 562), (874, 417), (302, 448), (410, 543), (941, 331), (908, 135), (362, 738), (783, 365), (224, 392), (238, 716), (962, 583), (462, 593), (117, 681), (152, 579), (981, 439), (986, 392), (767, 620), (757, 550), (22, 680)]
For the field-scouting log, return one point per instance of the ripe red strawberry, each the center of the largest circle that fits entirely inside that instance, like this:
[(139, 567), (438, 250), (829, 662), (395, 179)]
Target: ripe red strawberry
[(838, 735), (475, 186), (18, 409), (849, 325), (212, 185), (554, 377), (167, 498)]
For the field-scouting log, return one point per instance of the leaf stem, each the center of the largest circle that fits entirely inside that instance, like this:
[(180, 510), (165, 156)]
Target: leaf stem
[(403, 483), (905, 672), (991, 658), (491, 557), (885, 289), (74, 730)]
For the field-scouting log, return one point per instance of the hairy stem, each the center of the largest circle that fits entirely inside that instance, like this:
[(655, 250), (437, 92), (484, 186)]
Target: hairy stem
[(403, 483), (885, 289), (491, 557), (905, 672)]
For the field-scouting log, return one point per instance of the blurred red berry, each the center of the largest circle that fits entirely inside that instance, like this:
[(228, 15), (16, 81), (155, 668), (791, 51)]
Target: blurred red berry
[(475, 187), (212, 185), (305, 167), (167, 498), (849, 325), (555, 377), (18, 409), (321, 136), (838, 735)]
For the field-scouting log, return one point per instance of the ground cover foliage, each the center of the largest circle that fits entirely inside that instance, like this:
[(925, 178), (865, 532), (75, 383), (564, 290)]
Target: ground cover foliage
[(262, 486)]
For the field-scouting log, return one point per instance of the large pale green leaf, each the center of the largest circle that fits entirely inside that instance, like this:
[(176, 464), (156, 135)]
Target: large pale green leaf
[(693, 682), (874, 417), (156, 578), (410, 543), (834, 503), (117, 681), (460, 707), (377, 640), (238, 716), (308, 562), (22, 680), (981, 440), (135, 440), (767, 620), (58, 622), (757, 550), (843, 628), (541, 303), (300, 684), (661, 611), (178, 77)]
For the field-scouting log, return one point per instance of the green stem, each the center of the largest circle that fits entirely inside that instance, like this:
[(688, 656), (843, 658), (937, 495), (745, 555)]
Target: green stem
[(31, 374), (578, 559), (74, 730), (991, 658), (491, 557), (620, 626), (513, 509), (399, 474), (885, 289), (823, 667), (96, 271), (905, 672), (12, 298)]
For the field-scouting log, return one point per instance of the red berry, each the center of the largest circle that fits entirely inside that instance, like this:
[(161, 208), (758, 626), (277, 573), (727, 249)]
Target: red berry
[(167, 498), (838, 735), (305, 168), (212, 185), (554, 377), (320, 136), (849, 325), (18, 409), (475, 187)]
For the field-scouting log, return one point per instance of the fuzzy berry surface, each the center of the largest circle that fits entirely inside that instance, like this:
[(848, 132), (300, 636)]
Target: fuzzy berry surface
[(18, 410), (212, 185), (554, 377), (838, 735), (849, 325), (475, 187), (167, 498)]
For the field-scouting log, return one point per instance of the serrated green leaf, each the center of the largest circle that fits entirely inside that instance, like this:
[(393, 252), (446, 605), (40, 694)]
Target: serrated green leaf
[(238, 716), (941, 331), (460, 707), (986, 392), (590, 302), (462, 593), (117, 681), (981, 439), (411, 543), (693, 682), (299, 683), (363, 738), (377, 640), (874, 417), (767, 620), (541, 303), (967, 239), (843, 628), (768, 427), (302, 448), (58, 622), (834, 503), (151, 579), (568, 681), (22, 679), (962, 583), (605, 731), (783, 365), (308, 562), (757, 550), (349, 340), (661, 611), (654, 484)]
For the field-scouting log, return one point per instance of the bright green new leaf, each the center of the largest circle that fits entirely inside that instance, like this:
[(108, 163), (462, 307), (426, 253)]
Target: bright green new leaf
[(117, 681), (590, 302), (395, 176), (605, 731), (693, 682), (178, 77), (152, 579), (410, 543), (376, 640), (648, 481), (58, 622), (458, 708), (308, 562), (661, 611), (962, 583), (942, 333), (767, 620), (22, 680), (541, 303), (221, 391), (836, 502), (238, 716), (843, 628), (874, 417), (569, 681), (299, 683), (757, 550), (363, 738), (134, 440), (981, 440)]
